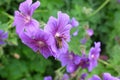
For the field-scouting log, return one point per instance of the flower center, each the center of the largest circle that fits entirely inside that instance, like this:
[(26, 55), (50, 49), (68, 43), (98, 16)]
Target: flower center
[(93, 56), (57, 35), (71, 57), (41, 43), (27, 19)]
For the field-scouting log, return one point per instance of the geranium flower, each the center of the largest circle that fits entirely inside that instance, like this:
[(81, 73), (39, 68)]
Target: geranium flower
[(48, 78), (94, 55), (60, 29), (3, 36), (41, 42), (23, 18)]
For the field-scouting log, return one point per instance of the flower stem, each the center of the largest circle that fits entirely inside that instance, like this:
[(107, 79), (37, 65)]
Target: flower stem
[(58, 70), (107, 64), (8, 15), (96, 11), (104, 62)]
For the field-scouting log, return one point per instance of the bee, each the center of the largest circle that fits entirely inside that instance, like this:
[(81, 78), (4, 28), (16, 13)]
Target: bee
[(59, 42)]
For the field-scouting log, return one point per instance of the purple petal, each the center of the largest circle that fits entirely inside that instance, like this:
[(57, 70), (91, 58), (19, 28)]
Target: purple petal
[(108, 76), (2, 42), (83, 76), (97, 44), (64, 59), (95, 77), (83, 41), (63, 19), (75, 33), (5, 35), (65, 32), (45, 51), (71, 68), (18, 19), (77, 59), (34, 7), (94, 55), (48, 78), (65, 77), (25, 7), (51, 25), (90, 32), (74, 22)]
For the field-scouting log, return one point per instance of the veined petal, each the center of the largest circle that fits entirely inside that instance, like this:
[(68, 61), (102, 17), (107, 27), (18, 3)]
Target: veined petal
[(25, 7), (95, 77), (18, 19), (34, 6), (51, 26), (63, 19), (45, 51), (65, 32)]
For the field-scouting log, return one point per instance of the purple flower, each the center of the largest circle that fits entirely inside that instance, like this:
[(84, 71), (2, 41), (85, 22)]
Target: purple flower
[(118, 1), (74, 22), (75, 33), (95, 77), (83, 40), (69, 60), (60, 29), (83, 76), (94, 55), (72, 67), (108, 76), (40, 42), (84, 61), (48, 78), (66, 58), (90, 32), (3, 36), (65, 77), (23, 18)]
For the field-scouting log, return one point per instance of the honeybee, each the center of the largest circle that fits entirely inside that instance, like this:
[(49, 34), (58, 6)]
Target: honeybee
[(59, 42)]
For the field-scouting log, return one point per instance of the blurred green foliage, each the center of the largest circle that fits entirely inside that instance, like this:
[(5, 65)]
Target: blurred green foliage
[(18, 62)]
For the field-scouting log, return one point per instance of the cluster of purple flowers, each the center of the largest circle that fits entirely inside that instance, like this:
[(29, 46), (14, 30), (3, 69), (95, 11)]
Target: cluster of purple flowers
[(50, 41), (106, 76), (73, 61), (3, 36), (53, 39), (64, 77)]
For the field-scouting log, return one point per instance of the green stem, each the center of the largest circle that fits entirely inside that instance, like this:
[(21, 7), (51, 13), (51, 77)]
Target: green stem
[(58, 70), (96, 11), (8, 15), (104, 62), (107, 64)]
